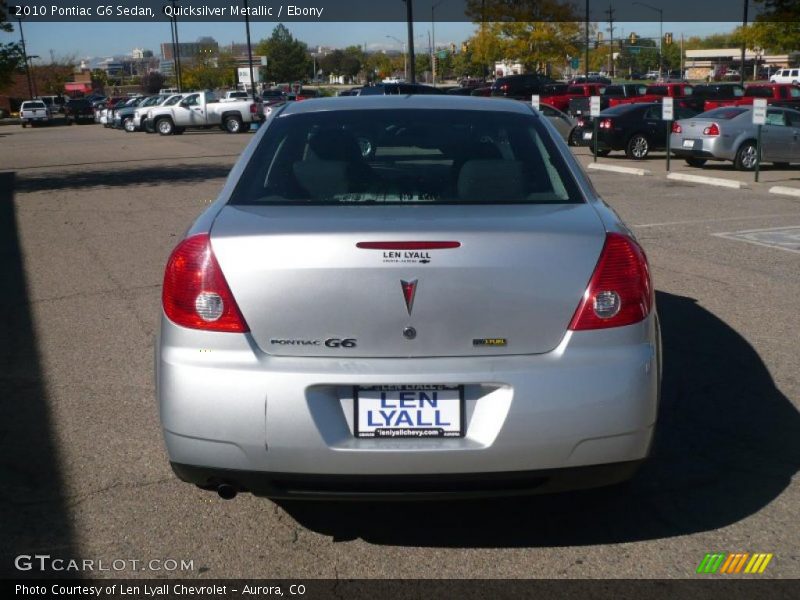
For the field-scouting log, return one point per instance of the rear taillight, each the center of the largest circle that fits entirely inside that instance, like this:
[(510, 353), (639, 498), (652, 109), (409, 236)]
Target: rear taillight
[(581, 123), (253, 109), (712, 129), (504, 87), (619, 292), (605, 124), (676, 127), (195, 293)]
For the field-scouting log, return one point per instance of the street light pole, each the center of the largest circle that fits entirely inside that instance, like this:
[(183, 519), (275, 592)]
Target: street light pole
[(25, 58), (412, 71), (433, 42), (405, 55), (744, 46), (661, 34), (177, 56), (249, 52)]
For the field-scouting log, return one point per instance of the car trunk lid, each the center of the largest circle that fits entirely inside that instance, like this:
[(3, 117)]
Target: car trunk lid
[(510, 286)]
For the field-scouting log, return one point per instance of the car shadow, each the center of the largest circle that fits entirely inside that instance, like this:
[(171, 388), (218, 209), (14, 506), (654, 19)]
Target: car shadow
[(32, 501), (150, 175), (727, 444)]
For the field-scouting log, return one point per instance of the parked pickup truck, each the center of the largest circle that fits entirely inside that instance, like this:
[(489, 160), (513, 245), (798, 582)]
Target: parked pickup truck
[(579, 107), (34, 111), (784, 95), (681, 92), (583, 90), (203, 110)]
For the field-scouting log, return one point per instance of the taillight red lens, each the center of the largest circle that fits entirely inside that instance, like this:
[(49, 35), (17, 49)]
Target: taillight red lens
[(195, 292), (504, 87), (605, 124), (676, 127), (713, 129), (619, 292), (253, 109)]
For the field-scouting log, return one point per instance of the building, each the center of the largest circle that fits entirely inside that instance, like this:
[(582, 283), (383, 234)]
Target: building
[(506, 68), (190, 50), (700, 64)]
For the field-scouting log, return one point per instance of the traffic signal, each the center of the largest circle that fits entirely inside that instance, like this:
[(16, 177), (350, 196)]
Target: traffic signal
[(464, 46), (435, 62), (668, 39), (599, 36), (452, 47), (633, 39)]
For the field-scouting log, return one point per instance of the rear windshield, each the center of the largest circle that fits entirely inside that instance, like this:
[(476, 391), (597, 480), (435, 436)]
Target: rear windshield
[(758, 92), (406, 157), (32, 105), (725, 113)]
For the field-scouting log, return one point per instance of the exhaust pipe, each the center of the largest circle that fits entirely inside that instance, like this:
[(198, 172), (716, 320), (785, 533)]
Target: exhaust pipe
[(226, 492)]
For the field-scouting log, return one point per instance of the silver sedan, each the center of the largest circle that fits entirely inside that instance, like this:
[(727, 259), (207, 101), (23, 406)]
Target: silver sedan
[(728, 133), (407, 297)]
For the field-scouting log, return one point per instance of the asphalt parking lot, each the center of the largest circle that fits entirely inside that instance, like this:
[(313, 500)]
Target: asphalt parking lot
[(88, 217)]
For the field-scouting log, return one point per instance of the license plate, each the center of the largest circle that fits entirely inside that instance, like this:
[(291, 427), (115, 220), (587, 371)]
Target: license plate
[(409, 411), (587, 135), (688, 143)]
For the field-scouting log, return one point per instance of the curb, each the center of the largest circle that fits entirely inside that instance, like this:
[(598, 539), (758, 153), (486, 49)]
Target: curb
[(615, 169), (785, 191), (716, 181)]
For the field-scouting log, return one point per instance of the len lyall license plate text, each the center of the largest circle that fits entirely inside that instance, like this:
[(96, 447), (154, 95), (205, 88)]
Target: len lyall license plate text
[(395, 411)]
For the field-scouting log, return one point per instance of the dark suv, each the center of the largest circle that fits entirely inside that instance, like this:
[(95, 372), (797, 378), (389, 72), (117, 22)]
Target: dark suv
[(520, 87), (79, 110), (386, 89)]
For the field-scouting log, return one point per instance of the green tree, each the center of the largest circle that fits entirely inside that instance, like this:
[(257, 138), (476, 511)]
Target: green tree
[(777, 28), (152, 82), (10, 53), (287, 58)]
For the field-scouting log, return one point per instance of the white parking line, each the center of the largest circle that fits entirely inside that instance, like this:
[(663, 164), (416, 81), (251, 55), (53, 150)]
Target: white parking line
[(615, 169), (785, 191), (717, 181), (781, 238), (693, 221)]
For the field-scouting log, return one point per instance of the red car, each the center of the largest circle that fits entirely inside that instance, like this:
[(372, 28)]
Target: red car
[(785, 95), (681, 92), (584, 90)]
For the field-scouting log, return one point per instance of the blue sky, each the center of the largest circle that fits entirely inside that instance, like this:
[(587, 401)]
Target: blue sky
[(107, 39)]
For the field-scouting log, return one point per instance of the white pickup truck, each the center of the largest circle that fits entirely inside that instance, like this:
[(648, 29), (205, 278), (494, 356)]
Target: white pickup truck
[(202, 110), (34, 111)]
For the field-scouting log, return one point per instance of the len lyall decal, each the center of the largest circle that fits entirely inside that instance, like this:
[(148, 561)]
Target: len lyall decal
[(733, 563)]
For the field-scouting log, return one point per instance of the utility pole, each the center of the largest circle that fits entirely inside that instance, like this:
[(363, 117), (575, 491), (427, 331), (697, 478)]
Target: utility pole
[(610, 12), (586, 66), (25, 58)]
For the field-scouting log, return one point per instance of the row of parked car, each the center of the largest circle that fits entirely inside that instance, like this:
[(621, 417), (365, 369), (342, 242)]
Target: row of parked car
[(174, 113)]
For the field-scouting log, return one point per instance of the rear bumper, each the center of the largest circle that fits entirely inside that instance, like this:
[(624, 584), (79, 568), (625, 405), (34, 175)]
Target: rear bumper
[(591, 401), (407, 487)]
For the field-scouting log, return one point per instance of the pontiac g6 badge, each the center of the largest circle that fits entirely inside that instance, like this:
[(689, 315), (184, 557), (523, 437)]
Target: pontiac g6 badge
[(409, 291)]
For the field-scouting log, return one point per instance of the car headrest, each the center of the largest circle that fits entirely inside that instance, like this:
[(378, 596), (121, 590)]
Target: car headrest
[(491, 179), (322, 178)]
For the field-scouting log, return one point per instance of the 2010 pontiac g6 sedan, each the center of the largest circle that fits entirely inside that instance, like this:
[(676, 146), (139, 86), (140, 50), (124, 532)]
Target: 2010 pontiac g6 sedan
[(407, 297)]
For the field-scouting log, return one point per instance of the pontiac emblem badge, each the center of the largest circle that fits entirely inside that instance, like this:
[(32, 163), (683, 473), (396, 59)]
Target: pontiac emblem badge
[(409, 291)]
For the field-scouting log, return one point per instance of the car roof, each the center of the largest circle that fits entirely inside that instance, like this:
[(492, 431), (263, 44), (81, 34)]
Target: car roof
[(409, 102)]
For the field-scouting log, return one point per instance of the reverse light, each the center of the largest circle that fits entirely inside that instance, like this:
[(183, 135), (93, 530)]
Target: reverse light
[(676, 127), (620, 291), (195, 293), (711, 130)]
